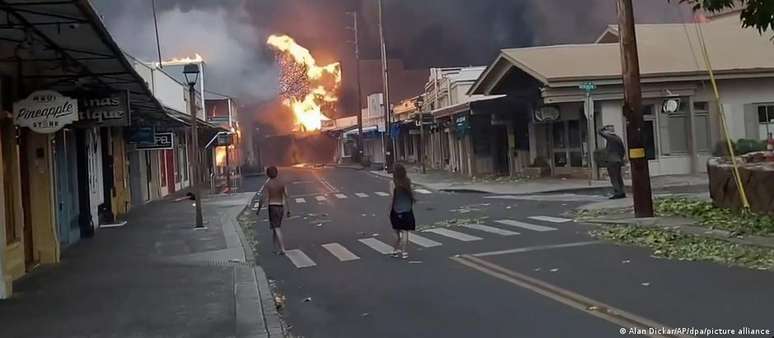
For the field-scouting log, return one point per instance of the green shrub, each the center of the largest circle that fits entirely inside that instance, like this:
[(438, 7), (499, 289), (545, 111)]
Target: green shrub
[(741, 147)]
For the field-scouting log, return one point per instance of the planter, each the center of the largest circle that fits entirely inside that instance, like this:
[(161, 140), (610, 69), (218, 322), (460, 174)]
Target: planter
[(757, 178)]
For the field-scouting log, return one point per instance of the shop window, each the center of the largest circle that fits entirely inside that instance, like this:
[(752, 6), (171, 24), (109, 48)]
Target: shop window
[(765, 121), (678, 133), (559, 135), (569, 147), (560, 159), (702, 127)]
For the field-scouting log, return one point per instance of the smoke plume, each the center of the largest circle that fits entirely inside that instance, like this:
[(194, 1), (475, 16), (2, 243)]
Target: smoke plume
[(230, 34)]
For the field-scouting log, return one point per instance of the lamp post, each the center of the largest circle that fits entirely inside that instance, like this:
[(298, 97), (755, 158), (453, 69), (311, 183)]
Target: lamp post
[(191, 72), (420, 101)]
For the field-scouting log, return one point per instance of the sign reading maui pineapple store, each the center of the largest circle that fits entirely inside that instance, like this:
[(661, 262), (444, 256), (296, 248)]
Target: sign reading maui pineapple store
[(104, 109), (45, 111)]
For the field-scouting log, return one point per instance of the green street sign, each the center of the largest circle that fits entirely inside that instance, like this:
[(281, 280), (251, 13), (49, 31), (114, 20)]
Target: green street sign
[(588, 86)]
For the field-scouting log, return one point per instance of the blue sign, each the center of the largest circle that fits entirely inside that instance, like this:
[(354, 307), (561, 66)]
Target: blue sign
[(394, 130), (143, 136)]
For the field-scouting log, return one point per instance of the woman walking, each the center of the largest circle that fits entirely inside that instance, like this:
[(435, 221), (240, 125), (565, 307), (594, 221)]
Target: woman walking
[(401, 210)]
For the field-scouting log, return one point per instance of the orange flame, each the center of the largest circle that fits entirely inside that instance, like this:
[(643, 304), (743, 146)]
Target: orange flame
[(184, 61), (220, 156), (307, 110)]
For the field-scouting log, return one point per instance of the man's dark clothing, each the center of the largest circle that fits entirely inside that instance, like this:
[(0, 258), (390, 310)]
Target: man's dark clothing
[(616, 153)]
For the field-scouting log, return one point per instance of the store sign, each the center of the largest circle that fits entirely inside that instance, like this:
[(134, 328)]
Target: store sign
[(45, 111), (108, 109), (141, 136), (225, 139), (670, 106), (547, 114), (162, 141)]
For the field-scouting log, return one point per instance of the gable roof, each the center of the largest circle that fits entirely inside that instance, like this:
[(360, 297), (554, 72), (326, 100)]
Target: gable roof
[(665, 50)]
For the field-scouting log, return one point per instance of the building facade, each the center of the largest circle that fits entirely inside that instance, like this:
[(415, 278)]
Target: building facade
[(571, 91)]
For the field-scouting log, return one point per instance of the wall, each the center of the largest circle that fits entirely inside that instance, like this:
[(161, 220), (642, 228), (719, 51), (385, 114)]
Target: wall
[(735, 94), (40, 181), (120, 199), (164, 87), (13, 252)]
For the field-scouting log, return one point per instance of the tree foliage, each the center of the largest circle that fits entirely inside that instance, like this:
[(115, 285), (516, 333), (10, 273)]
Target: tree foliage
[(755, 13)]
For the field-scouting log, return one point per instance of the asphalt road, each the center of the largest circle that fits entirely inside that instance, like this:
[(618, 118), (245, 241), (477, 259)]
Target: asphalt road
[(526, 273)]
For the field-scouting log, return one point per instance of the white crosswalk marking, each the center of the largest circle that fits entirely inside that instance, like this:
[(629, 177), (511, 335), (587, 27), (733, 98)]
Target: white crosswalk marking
[(493, 230), (361, 195), (341, 196), (300, 200), (381, 193), (340, 252), (422, 241), (550, 219), (320, 198), (423, 191), (527, 226), (454, 234), (377, 245), (299, 258)]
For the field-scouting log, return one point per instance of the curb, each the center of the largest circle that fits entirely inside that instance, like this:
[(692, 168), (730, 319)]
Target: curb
[(687, 227), (271, 323)]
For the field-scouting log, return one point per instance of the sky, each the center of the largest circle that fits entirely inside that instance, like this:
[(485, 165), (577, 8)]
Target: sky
[(231, 34)]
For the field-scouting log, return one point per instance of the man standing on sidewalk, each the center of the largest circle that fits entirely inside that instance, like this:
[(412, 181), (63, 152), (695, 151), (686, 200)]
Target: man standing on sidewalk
[(616, 153)]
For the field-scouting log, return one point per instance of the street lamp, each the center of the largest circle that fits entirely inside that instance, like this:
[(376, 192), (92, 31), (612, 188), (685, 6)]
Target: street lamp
[(418, 103), (191, 73)]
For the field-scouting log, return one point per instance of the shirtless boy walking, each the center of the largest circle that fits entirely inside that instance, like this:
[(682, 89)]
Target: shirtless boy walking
[(277, 195)]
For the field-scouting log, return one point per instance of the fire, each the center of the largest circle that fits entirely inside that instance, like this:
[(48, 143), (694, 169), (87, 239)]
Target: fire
[(300, 72), (220, 156), (186, 60)]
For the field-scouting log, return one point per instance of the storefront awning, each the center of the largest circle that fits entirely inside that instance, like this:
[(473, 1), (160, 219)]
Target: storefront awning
[(353, 132), (464, 106), (63, 45)]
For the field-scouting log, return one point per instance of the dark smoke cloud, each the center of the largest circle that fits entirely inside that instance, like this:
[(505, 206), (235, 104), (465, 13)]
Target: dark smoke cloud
[(424, 33)]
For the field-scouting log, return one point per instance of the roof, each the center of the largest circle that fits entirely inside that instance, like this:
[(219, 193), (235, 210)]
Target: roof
[(69, 47), (665, 50), (463, 106)]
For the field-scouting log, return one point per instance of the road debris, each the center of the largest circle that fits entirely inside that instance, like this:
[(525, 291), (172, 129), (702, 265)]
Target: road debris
[(646, 284), (537, 269), (554, 270), (307, 299), (626, 261)]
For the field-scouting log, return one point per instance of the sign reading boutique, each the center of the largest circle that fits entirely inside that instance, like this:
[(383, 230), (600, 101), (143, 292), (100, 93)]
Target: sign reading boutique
[(45, 111), (104, 109)]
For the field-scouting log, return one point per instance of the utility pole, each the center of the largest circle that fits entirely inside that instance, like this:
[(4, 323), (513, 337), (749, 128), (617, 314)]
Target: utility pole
[(359, 90), (386, 93), (632, 109), (156, 26)]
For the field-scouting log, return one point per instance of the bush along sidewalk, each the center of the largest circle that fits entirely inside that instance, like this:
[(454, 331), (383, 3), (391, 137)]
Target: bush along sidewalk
[(671, 244), (737, 222)]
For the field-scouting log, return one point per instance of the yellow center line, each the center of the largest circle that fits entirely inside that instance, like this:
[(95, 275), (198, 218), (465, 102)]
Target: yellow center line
[(587, 305)]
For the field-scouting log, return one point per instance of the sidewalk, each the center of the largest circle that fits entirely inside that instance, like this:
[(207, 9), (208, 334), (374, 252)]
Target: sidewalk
[(154, 277), (445, 181)]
